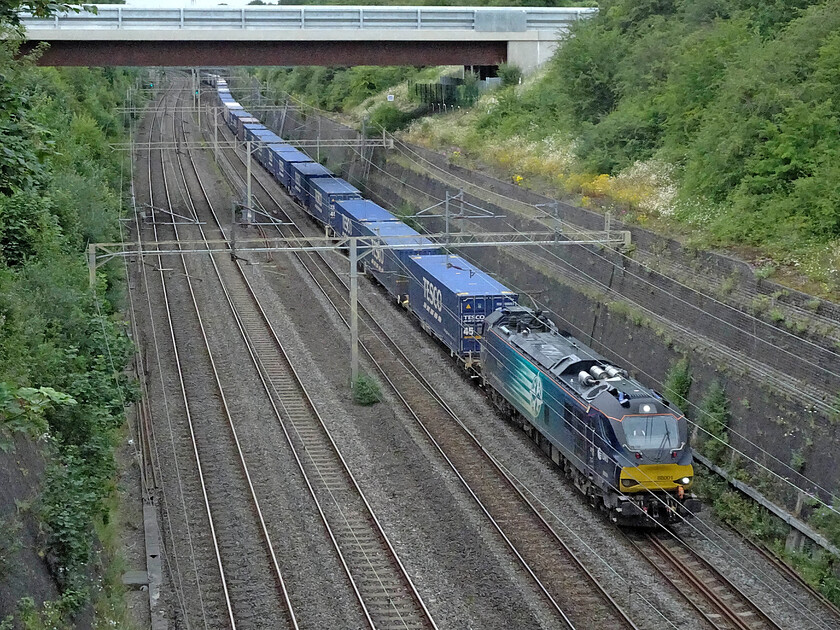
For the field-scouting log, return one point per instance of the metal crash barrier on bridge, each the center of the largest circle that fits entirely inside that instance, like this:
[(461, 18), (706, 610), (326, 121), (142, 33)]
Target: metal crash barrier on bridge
[(479, 19), (303, 35)]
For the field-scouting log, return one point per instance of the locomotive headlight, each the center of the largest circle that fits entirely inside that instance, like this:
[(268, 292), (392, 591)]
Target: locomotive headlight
[(684, 481), (628, 483)]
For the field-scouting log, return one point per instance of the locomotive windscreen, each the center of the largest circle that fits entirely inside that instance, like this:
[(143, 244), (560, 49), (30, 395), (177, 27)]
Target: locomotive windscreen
[(648, 432)]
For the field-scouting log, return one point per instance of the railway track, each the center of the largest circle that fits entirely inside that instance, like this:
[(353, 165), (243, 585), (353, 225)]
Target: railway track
[(384, 590), (717, 600), (789, 574), (193, 576), (241, 603), (570, 588)]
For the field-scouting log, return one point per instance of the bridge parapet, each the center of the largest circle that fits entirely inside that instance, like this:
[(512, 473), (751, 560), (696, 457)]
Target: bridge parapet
[(478, 19), (530, 33)]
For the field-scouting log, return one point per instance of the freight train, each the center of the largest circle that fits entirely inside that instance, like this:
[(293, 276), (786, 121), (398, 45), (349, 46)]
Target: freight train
[(622, 444)]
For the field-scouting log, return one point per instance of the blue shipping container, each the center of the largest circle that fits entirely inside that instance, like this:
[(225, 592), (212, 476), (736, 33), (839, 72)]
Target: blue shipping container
[(272, 162), (300, 174), (326, 191), (451, 296), (255, 131), (240, 119), (351, 212), (284, 166), (389, 266), (263, 137)]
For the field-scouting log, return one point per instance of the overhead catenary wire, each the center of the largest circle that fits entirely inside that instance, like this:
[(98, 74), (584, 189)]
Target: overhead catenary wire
[(733, 553), (786, 466), (168, 415), (309, 457)]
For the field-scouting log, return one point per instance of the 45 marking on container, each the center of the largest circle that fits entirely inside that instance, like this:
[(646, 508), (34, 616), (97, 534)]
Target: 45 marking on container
[(433, 299)]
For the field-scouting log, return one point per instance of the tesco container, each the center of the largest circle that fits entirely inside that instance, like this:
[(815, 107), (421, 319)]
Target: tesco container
[(300, 174), (325, 192), (285, 161), (241, 118), (260, 133), (349, 213), (450, 297), (389, 266), (272, 162)]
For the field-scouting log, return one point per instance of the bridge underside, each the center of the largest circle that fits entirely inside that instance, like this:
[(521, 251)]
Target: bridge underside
[(270, 53)]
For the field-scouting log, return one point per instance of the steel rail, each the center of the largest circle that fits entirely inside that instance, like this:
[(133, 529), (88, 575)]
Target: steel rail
[(256, 330), (790, 573), (184, 396), (149, 434), (226, 409), (701, 582), (405, 362)]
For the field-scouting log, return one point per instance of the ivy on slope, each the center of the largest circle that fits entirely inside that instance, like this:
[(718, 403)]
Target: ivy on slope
[(59, 189), (743, 96)]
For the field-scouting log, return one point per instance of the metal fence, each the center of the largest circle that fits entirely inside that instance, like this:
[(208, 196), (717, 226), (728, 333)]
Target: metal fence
[(477, 19)]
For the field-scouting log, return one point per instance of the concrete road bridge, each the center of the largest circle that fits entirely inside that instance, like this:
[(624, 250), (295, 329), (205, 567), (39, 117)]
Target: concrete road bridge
[(302, 35)]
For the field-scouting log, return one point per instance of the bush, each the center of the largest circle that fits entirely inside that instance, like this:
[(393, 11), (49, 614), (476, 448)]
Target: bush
[(678, 383), (389, 118), (366, 391), (510, 74), (714, 420)]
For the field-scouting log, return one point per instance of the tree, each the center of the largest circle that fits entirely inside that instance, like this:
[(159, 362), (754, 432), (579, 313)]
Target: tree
[(9, 10)]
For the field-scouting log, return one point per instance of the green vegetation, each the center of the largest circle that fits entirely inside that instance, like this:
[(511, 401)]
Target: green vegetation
[(818, 567), (677, 384), (510, 74), (715, 118), (366, 390), (63, 347), (389, 118), (714, 420), (337, 89)]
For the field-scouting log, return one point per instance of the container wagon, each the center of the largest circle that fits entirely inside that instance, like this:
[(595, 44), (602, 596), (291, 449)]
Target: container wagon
[(451, 297)]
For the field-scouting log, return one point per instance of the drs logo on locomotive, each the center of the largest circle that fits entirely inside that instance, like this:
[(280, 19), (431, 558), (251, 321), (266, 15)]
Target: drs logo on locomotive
[(433, 299)]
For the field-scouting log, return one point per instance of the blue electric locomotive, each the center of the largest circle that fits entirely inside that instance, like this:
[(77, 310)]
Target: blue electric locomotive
[(623, 445)]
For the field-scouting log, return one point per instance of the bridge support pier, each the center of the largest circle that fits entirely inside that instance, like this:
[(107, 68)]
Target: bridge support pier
[(529, 55)]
